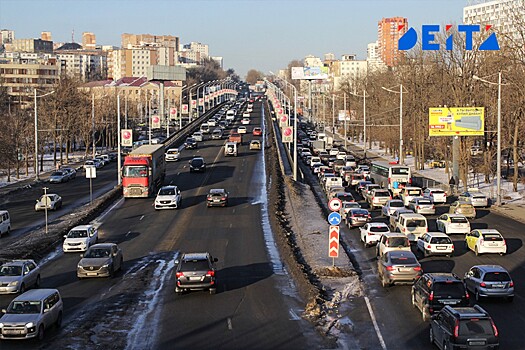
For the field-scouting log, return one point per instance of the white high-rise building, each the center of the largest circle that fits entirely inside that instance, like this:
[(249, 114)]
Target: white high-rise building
[(373, 57), (503, 15)]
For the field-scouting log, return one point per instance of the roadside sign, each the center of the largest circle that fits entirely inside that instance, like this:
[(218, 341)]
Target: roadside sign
[(287, 136), (91, 172), (127, 137), (335, 204), (333, 242), (334, 218), (155, 121)]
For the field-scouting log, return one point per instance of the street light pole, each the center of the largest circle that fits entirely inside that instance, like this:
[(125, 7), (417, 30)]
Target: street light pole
[(401, 154), (93, 121), (37, 171), (119, 164), (498, 159), (345, 117)]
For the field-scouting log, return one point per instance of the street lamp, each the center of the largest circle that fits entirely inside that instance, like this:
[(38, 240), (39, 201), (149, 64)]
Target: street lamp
[(180, 105), (191, 98), (400, 92), (364, 118), (498, 155), (37, 172)]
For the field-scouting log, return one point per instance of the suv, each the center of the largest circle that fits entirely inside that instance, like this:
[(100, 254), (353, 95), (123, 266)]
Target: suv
[(390, 241), (378, 198), (18, 275), (196, 271), (412, 225), (463, 327), (197, 164), (433, 291), (30, 314), (217, 197)]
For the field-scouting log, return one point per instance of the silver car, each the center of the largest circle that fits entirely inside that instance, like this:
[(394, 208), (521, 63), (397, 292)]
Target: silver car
[(422, 205), (391, 206), (58, 177), (489, 281), (31, 314), (474, 197), (19, 275), (51, 201), (397, 267), (100, 260)]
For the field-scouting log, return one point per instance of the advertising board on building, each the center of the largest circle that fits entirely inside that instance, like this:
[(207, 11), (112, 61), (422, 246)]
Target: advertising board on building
[(310, 73), (456, 121)]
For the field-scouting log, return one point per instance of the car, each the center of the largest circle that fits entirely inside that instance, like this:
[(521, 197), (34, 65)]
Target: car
[(246, 114), (101, 160), (255, 144), (217, 197), (357, 217), (99, 163), (391, 206), (371, 232), (100, 260), (58, 177), (483, 241), (190, 143), (31, 314), (433, 291), (463, 328), (361, 185), (422, 205), (80, 238), (197, 164), (196, 271), (474, 197), (453, 224), (72, 173), (333, 151), (341, 155), (172, 154), (489, 281), (464, 208), (204, 128), (168, 197), (19, 275), (367, 191), (391, 241), (216, 134), (363, 169), (212, 122), (398, 267), (436, 195), (409, 192), (50, 201), (257, 131), (223, 124), (412, 225), (435, 243), (241, 130), (5, 222), (394, 218), (344, 196), (198, 136), (346, 206), (378, 197), (245, 121)]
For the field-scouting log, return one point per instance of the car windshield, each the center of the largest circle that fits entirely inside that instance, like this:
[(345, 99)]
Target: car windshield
[(11, 271), (440, 240), (135, 171), (196, 162), (458, 220), (396, 204), (475, 327), (98, 253), (24, 307), (425, 202), (416, 223), (363, 212), (438, 192), (452, 289), (492, 237), (77, 234), (172, 152), (382, 194), (402, 260), (496, 277), (398, 242), (167, 192), (57, 173), (400, 171), (379, 229)]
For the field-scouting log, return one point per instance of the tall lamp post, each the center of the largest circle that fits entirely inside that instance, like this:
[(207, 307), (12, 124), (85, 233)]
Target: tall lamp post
[(37, 172), (400, 92), (498, 155), (180, 105), (364, 118), (191, 98)]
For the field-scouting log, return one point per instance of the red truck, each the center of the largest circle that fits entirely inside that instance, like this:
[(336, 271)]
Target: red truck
[(143, 171), (235, 137)]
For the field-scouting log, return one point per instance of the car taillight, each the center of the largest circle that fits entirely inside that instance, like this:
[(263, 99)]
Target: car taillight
[(511, 284), (403, 229), (389, 180), (431, 296), (179, 274), (483, 284), (389, 268), (410, 181), (429, 246), (481, 241), (369, 216), (417, 207), (467, 295), (223, 198), (496, 333), (210, 273), (417, 268), (504, 242), (373, 198), (456, 329), (433, 207)]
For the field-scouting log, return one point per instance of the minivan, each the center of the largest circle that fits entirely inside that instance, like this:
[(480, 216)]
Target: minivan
[(31, 314), (412, 225), (5, 222)]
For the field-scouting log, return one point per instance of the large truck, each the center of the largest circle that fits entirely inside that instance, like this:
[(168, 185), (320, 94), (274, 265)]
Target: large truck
[(318, 146), (143, 171)]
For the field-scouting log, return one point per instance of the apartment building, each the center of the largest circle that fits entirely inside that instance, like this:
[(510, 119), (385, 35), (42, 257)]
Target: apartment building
[(7, 36), (89, 41), (46, 36), (350, 69), (388, 34), (31, 45), (373, 58)]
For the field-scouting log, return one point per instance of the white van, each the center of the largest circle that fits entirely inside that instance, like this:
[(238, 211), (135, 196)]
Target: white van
[(410, 192), (230, 114), (412, 225), (333, 181), (205, 128), (230, 149), (5, 222)]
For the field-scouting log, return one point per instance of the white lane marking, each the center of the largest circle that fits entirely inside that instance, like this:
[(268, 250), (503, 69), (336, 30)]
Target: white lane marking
[(293, 315), (230, 327), (109, 210), (142, 217), (374, 321)]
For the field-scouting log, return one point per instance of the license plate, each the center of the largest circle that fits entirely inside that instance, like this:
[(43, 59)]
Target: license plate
[(3, 289), (498, 286), (13, 331), (405, 269), (493, 244), (216, 200), (91, 273), (195, 278), (449, 302), (361, 219), (441, 247), (479, 342)]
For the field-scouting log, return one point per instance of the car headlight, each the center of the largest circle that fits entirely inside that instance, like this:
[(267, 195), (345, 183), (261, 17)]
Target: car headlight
[(105, 265), (13, 284), (30, 325), (79, 266)]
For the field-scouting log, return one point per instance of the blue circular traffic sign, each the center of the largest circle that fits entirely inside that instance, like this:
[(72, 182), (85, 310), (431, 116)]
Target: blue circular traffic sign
[(334, 218)]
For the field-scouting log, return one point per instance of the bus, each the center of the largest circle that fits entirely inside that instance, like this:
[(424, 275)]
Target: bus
[(391, 176)]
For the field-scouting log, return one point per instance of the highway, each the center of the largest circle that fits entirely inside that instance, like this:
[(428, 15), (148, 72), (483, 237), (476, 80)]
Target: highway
[(256, 305)]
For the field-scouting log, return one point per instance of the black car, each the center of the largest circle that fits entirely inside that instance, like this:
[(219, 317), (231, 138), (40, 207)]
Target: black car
[(197, 164), (196, 271), (463, 328), (217, 197), (434, 291), (190, 143)]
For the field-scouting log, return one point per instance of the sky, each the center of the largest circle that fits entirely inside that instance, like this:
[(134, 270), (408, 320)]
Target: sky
[(264, 35)]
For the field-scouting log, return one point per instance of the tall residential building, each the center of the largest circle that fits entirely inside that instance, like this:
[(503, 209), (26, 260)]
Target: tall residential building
[(7, 36), (503, 15), (373, 58), (32, 45), (144, 39), (88, 41), (202, 49), (389, 30), (349, 69), (46, 36)]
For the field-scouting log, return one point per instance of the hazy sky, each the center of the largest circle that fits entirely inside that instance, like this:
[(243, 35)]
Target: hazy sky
[(248, 34)]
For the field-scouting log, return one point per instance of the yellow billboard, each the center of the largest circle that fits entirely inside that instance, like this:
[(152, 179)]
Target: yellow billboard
[(457, 121)]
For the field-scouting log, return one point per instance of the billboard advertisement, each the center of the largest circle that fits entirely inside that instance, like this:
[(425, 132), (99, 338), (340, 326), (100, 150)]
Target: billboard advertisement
[(456, 121), (310, 73), (184, 109), (287, 135), (155, 121), (126, 137)]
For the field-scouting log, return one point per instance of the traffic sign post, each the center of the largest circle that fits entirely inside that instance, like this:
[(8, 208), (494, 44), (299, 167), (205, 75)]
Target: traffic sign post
[(335, 204), (333, 243), (91, 173), (334, 218)]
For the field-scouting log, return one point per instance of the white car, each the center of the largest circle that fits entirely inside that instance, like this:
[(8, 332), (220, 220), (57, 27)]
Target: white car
[(391, 206), (50, 201), (453, 224), (422, 205), (341, 155), (198, 136), (80, 238), (241, 130), (245, 121), (474, 197), (435, 243), (483, 241), (168, 197), (246, 114), (436, 195), (371, 232), (333, 151)]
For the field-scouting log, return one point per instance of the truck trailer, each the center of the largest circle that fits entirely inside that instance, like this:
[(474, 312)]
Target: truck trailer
[(143, 171)]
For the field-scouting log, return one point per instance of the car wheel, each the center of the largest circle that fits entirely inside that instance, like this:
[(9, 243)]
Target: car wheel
[(384, 282), (40, 335), (431, 335), (58, 323), (476, 251), (37, 283), (178, 290), (213, 290), (425, 314)]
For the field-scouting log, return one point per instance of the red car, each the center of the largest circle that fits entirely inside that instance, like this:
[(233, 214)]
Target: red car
[(257, 131)]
